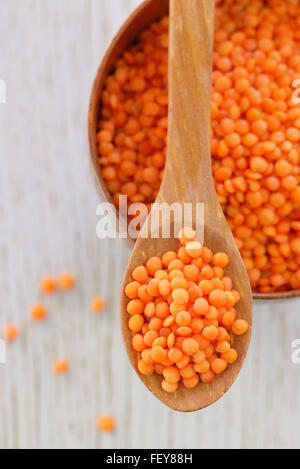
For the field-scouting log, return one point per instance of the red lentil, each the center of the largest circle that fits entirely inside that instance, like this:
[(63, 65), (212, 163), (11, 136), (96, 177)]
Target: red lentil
[(105, 423), (65, 281), (10, 332), (60, 366), (38, 312), (48, 285), (97, 304)]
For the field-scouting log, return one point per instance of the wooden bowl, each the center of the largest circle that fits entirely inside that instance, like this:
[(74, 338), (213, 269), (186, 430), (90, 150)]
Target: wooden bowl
[(148, 12), (142, 16)]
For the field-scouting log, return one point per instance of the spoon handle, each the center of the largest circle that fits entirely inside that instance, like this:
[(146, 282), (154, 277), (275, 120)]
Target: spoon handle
[(190, 78)]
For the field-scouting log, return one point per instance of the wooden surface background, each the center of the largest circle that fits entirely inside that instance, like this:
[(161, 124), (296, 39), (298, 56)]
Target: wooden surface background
[(50, 50)]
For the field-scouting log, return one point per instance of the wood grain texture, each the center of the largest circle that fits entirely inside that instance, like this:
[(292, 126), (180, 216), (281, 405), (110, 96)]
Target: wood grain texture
[(50, 50)]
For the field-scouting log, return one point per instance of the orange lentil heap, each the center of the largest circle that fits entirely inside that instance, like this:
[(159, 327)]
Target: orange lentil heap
[(133, 123), (255, 132), (256, 135), (182, 315)]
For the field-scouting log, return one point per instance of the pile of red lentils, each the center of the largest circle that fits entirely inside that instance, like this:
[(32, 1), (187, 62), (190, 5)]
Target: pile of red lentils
[(182, 315), (255, 130)]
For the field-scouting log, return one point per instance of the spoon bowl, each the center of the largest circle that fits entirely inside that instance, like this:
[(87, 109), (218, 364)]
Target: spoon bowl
[(203, 395), (188, 179)]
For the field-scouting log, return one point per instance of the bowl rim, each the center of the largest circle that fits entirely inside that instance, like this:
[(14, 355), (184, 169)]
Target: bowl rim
[(277, 295)]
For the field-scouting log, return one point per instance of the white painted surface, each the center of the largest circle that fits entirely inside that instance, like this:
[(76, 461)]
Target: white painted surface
[(50, 50)]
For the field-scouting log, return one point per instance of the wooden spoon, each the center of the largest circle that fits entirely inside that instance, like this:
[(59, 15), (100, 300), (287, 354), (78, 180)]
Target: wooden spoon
[(188, 178)]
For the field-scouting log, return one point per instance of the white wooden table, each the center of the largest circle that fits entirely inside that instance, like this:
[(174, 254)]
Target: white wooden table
[(50, 50)]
